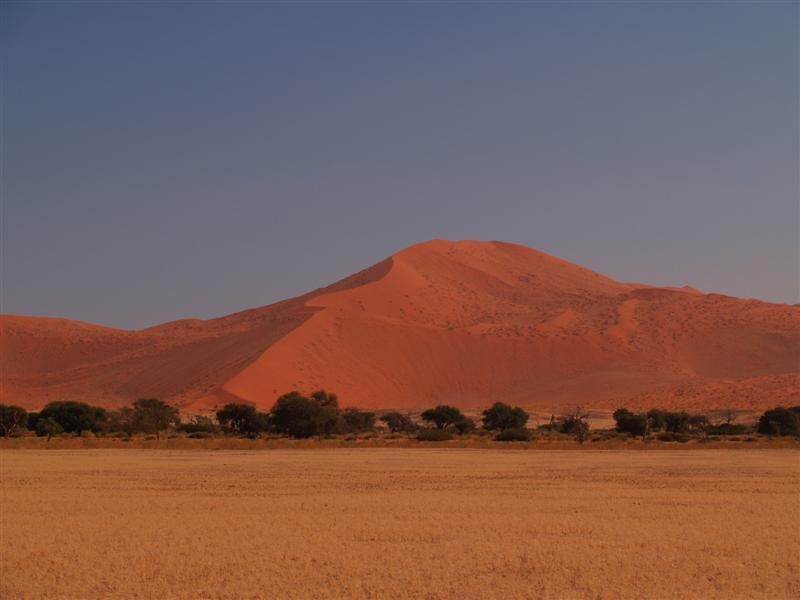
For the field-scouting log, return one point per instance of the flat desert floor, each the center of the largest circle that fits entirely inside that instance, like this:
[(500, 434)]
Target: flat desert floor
[(400, 523)]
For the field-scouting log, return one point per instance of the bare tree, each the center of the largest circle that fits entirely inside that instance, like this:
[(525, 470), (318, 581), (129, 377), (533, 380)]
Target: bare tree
[(576, 423)]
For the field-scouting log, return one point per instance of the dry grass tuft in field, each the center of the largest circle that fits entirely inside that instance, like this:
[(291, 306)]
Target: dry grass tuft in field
[(400, 523)]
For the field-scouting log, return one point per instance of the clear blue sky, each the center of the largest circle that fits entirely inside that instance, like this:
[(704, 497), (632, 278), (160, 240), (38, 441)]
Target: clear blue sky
[(178, 160)]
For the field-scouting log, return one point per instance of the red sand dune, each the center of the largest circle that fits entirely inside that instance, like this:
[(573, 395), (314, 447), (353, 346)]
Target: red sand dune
[(464, 322)]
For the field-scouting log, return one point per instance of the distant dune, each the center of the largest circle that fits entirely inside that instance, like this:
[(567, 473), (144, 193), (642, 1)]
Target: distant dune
[(462, 322)]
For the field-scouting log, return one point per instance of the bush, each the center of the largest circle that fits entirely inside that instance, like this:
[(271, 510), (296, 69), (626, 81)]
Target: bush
[(500, 416), (657, 419), (699, 424), (434, 435), (13, 419), (325, 399), (242, 419), (199, 424), (200, 435), (728, 429), (628, 422), (575, 424), (443, 416), (780, 421), (677, 422), (49, 427), (668, 436), (358, 421), (398, 423), (448, 418), (33, 417), (151, 415), (516, 434), (75, 417), (464, 426), (301, 417)]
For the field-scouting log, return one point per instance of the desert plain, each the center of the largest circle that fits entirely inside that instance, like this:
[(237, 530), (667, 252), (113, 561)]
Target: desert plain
[(400, 523)]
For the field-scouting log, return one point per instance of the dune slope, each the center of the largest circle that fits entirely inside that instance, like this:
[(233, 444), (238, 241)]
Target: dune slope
[(459, 322)]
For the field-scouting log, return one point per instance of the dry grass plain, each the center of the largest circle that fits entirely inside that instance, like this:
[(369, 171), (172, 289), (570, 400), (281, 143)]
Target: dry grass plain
[(400, 523)]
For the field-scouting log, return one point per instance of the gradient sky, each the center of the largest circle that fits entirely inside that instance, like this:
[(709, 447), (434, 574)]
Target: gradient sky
[(189, 160)]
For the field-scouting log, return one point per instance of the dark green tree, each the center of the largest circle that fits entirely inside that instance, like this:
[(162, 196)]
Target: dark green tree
[(49, 427), (677, 422), (443, 416), (464, 426), (657, 419), (242, 419), (399, 423), (151, 415), (780, 421), (13, 419), (628, 422), (699, 424), (356, 421), (502, 416), (301, 417), (76, 417), (33, 417), (325, 399), (122, 420)]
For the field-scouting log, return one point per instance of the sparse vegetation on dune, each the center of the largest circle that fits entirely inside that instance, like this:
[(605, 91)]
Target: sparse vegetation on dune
[(418, 523)]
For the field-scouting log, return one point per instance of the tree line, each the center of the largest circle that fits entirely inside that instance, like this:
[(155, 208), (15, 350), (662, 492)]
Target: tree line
[(318, 414), (778, 421)]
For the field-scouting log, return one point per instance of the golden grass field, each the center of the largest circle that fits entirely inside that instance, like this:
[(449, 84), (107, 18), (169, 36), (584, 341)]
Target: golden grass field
[(400, 523)]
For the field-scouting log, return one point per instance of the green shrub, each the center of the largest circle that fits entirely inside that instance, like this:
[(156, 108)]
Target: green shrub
[(399, 423), (199, 424), (669, 436), (780, 421), (151, 415), (49, 427), (728, 429), (576, 424), (301, 417), (699, 424), (464, 426), (677, 422), (33, 417), (448, 418), (443, 416), (242, 419), (434, 435), (657, 419), (75, 417), (628, 422), (13, 419), (516, 434), (501, 416), (200, 435), (358, 421)]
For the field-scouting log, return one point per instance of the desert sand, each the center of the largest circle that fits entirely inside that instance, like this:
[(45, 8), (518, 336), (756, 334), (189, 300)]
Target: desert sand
[(400, 523), (465, 323)]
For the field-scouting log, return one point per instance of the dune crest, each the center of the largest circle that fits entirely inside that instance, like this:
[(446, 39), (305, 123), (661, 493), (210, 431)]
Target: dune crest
[(461, 322)]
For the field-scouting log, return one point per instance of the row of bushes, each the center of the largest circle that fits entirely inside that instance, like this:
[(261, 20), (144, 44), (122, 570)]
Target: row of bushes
[(299, 416), (146, 415), (777, 421), (293, 415)]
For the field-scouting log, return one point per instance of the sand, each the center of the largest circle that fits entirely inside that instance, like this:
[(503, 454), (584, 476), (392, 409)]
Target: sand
[(400, 523), (465, 323)]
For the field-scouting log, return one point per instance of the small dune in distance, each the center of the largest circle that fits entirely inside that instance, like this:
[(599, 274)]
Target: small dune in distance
[(456, 322)]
